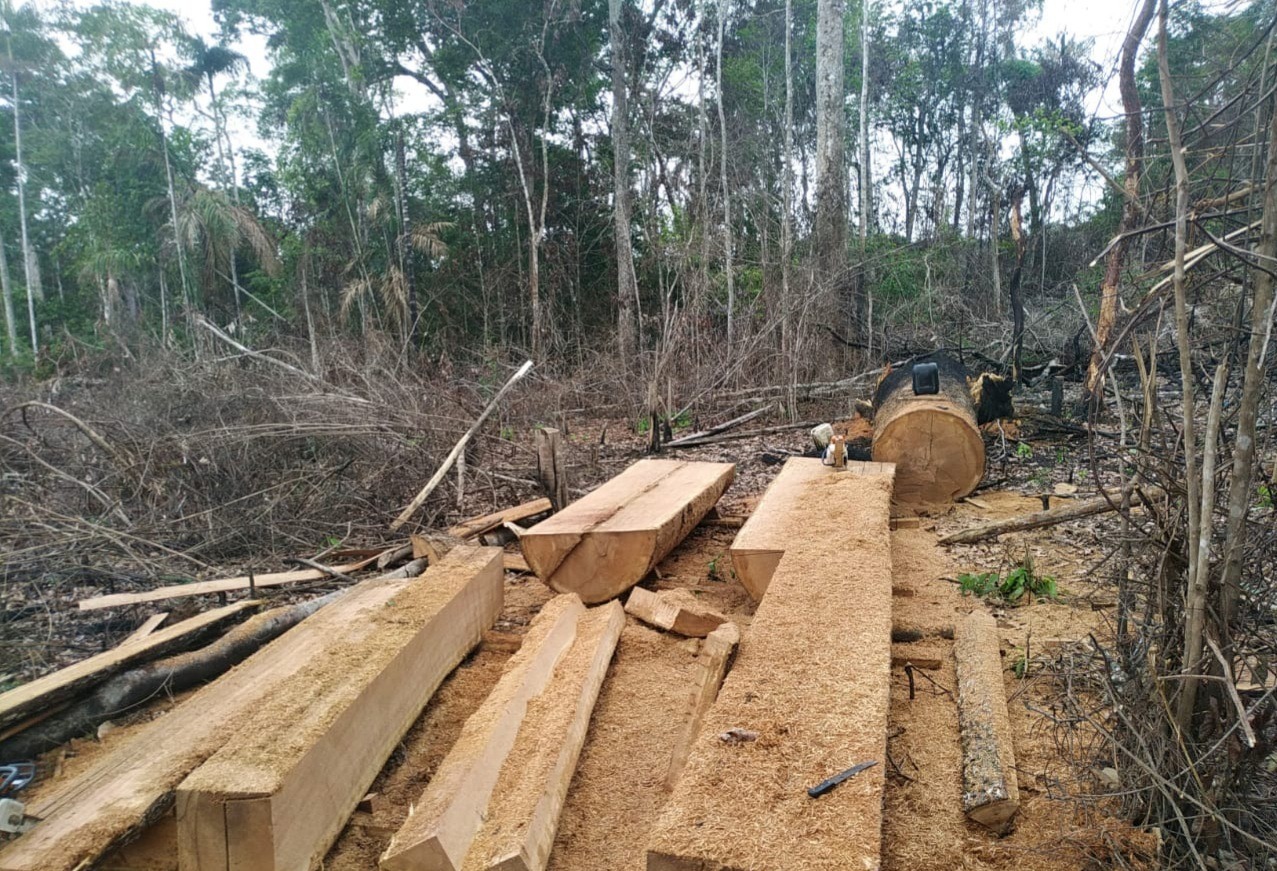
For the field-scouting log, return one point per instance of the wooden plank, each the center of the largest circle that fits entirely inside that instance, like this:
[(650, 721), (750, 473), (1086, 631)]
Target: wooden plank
[(225, 585), (149, 625), (604, 543), (990, 793), (443, 822), (523, 815), (812, 679), (514, 562), (28, 700), (711, 668), (488, 522), (675, 611), (279, 794), (762, 540), (130, 787)]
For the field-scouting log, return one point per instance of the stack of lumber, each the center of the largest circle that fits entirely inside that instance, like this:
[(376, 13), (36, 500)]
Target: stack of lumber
[(495, 801), (764, 538), (811, 681), (289, 735), (603, 544), (933, 439)]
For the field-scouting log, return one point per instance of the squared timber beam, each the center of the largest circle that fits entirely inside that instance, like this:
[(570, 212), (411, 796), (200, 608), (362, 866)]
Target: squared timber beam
[(277, 796), (604, 543), (812, 679)]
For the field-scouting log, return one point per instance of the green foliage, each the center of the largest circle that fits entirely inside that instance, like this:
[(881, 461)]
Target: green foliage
[(1017, 583), (1024, 451)]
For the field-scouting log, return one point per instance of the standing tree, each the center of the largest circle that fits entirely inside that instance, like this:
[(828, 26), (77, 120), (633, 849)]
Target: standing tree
[(830, 231), (626, 280)]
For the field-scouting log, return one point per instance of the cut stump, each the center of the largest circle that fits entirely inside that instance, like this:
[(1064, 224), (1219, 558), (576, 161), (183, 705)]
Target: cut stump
[(442, 823), (603, 544), (277, 796), (812, 680), (990, 794), (933, 440), (523, 815)]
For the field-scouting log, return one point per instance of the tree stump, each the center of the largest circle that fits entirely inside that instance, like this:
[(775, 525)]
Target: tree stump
[(933, 439)]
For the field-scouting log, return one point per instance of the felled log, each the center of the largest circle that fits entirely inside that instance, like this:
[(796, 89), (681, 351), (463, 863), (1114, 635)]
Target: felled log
[(30, 698), (171, 675), (990, 793), (933, 439), (604, 543), (1039, 519), (488, 522), (443, 822), (675, 611)]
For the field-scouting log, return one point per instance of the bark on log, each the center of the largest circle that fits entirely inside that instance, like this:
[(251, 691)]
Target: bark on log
[(171, 675), (933, 439), (990, 793)]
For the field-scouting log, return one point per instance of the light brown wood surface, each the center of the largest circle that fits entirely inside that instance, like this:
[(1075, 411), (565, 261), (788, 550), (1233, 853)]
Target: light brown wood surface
[(132, 786), (279, 794), (762, 541), (149, 625), (604, 543), (934, 442), (523, 816), (811, 677), (224, 585), (711, 668), (674, 611), (443, 822), (31, 698), (990, 793), (488, 522)]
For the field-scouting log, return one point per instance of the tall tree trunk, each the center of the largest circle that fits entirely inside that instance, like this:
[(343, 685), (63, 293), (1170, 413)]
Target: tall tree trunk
[(1091, 389), (187, 303), (788, 353), (831, 202), (626, 280), (403, 249), (218, 131), (30, 271), (1260, 331), (866, 180), (726, 193), (6, 290), (702, 180), (1195, 610)]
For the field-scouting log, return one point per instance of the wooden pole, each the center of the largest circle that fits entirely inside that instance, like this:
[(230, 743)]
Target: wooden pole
[(460, 446)]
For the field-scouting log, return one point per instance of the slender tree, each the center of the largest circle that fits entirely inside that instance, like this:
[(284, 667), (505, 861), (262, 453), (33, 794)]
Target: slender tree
[(830, 229), (726, 191), (6, 290), (626, 280)]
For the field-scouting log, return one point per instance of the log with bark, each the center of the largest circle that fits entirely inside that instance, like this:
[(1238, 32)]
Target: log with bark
[(933, 439), (1039, 519), (990, 793)]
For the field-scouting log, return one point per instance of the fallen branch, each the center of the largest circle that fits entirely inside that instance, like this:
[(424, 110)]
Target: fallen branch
[(1040, 519), (460, 446), (732, 436), (720, 428)]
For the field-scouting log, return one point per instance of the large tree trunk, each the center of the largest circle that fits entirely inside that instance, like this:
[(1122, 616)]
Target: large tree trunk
[(626, 281), (788, 353), (866, 181), (831, 181), (934, 440), (1130, 208)]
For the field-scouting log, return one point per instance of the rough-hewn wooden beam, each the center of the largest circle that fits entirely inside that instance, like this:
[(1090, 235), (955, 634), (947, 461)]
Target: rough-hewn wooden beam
[(990, 794)]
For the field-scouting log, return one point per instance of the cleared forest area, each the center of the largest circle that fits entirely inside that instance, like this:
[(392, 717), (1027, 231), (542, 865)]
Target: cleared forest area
[(905, 372)]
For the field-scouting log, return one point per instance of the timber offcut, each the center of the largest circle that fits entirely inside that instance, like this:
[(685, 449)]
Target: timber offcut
[(811, 680), (276, 797), (603, 544)]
